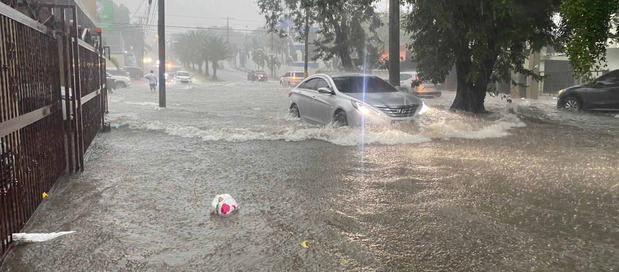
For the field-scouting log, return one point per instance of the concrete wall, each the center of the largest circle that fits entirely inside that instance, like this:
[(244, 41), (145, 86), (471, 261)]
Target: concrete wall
[(612, 58)]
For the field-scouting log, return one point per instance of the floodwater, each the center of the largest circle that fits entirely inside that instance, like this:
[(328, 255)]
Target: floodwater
[(526, 188)]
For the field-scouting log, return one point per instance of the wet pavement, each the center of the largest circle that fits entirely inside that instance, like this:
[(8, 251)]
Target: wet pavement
[(526, 188)]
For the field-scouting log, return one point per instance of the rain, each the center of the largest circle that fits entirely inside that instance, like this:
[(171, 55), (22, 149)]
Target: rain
[(527, 185)]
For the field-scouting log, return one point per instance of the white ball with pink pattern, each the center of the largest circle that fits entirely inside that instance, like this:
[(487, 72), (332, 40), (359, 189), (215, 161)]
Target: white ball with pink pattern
[(224, 204)]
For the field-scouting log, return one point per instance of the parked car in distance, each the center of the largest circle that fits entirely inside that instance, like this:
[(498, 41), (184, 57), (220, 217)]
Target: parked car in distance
[(347, 99), (291, 79), (134, 72), (117, 72), (119, 81), (257, 76), (408, 80), (600, 95), (182, 77)]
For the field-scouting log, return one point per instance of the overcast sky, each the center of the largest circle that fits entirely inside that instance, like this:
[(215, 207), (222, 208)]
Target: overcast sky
[(206, 13)]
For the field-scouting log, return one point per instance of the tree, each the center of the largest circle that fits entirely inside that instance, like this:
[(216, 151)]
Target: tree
[(341, 30), (218, 50), (482, 38), (259, 58), (273, 63), (585, 31), (203, 42)]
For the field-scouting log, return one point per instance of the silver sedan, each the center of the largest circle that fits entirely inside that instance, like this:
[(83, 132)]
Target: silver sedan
[(350, 99)]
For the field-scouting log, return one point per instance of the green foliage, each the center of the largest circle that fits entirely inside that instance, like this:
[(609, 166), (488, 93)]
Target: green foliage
[(217, 49), (585, 30), (343, 26), (199, 47), (484, 39), (273, 63), (259, 58)]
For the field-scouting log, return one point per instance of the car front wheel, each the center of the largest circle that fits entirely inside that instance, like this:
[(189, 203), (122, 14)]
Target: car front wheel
[(294, 111), (339, 119), (571, 103)]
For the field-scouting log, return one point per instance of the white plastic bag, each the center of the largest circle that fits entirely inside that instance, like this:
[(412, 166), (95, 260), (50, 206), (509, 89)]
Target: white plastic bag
[(38, 237), (224, 204)]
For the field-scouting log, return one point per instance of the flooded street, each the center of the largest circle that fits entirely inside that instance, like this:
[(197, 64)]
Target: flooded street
[(525, 188)]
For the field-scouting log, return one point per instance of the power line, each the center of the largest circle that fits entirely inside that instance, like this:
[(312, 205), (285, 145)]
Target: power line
[(213, 18), (139, 7), (129, 26)]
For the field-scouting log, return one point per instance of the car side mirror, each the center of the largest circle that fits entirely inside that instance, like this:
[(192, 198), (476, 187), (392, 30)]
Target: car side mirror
[(325, 90)]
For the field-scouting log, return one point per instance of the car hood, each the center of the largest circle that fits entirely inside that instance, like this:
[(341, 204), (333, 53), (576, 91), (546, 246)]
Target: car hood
[(391, 99), (576, 86), (120, 78), (183, 77)]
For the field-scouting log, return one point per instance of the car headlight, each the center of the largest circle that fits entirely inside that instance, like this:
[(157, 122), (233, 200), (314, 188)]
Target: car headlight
[(362, 108), (561, 91)]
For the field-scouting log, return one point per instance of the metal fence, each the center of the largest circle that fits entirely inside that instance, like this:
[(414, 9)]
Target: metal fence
[(91, 92), (31, 123), (52, 103)]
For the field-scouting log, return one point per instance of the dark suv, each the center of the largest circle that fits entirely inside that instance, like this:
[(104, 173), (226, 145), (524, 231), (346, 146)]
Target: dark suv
[(601, 94)]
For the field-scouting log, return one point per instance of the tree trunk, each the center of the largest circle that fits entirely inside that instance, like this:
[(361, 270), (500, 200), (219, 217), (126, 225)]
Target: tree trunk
[(200, 67), (214, 69), (343, 50), (470, 96), (206, 70)]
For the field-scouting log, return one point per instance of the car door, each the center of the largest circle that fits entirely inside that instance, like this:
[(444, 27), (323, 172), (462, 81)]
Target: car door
[(605, 92), (614, 99), (324, 103), (305, 100), (611, 94)]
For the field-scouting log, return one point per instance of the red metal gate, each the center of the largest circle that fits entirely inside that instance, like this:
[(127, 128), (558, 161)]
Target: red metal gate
[(31, 123)]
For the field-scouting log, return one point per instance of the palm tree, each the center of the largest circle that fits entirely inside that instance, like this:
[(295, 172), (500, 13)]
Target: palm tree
[(258, 57), (218, 50)]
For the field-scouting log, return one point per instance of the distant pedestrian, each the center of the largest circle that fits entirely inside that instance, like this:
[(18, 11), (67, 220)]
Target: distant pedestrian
[(152, 80)]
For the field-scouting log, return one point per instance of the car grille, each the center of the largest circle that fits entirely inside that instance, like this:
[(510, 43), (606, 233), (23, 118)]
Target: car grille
[(401, 111)]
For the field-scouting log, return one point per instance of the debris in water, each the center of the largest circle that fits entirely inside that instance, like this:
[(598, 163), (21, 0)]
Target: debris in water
[(37, 237), (304, 244), (224, 204), (343, 261), (44, 195)]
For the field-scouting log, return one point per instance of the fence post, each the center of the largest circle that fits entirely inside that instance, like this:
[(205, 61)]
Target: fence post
[(78, 91)]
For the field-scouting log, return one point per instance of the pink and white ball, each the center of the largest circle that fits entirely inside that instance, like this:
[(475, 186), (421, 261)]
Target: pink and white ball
[(224, 204)]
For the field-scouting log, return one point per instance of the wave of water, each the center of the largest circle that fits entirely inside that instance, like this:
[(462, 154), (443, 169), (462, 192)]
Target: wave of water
[(434, 124)]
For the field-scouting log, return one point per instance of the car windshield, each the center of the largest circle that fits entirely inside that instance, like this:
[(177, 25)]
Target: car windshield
[(182, 74), (298, 74), (359, 84)]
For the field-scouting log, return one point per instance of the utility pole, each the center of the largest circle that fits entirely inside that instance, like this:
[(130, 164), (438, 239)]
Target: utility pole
[(228, 30), (305, 68), (161, 32), (272, 58), (394, 42)]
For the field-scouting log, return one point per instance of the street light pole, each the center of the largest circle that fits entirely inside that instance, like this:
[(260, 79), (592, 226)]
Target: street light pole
[(161, 33), (306, 47), (394, 42)]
